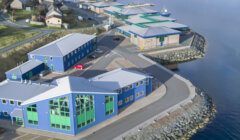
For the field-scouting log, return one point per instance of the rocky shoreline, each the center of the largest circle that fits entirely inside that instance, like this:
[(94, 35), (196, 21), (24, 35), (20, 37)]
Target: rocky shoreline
[(196, 50), (179, 124)]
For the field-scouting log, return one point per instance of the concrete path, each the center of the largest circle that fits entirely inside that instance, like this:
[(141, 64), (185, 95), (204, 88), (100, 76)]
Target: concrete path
[(177, 91)]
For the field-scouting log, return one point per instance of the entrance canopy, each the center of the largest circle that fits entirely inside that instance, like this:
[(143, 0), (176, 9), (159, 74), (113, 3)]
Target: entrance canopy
[(17, 113)]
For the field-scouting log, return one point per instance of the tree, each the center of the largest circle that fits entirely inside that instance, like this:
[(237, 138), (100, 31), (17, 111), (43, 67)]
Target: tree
[(5, 4)]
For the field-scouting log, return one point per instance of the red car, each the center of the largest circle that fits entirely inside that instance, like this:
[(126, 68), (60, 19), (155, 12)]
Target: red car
[(79, 67)]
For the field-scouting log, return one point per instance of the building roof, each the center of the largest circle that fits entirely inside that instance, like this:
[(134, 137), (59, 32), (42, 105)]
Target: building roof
[(136, 10), (172, 25), (106, 4), (153, 31), (54, 12), (128, 11), (25, 67), (64, 45), (143, 18), (69, 85), (117, 79), (20, 91)]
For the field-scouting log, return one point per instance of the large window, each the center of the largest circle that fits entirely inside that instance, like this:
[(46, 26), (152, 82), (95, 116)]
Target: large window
[(32, 114), (85, 110), (59, 113), (109, 105)]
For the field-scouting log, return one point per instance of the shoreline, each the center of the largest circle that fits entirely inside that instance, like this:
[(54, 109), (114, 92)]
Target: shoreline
[(181, 123)]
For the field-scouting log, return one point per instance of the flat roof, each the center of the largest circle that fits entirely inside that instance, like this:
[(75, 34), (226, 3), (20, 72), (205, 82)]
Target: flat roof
[(106, 4), (20, 91), (69, 85), (136, 19), (153, 31), (25, 67), (127, 11), (64, 45), (117, 79), (172, 25)]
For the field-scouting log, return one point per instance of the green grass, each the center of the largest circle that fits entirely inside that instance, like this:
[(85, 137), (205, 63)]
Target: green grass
[(20, 14), (9, 35)]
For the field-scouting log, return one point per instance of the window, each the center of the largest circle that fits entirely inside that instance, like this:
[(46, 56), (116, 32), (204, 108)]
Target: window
[(32, 114), (109, 105), (119, 102), (141, 82), (127, 100), (11, 102), (85, 110), (5, 113), (19, 103), (127, 88), (4, 101), (131, 98), (51, 58), (59, 113)]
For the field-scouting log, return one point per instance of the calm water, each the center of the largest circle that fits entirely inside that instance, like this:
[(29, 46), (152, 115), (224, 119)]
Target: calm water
[(219, 72)]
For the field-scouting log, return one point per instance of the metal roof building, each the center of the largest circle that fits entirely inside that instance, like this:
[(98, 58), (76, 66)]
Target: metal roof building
[(26, 70), (64, 45), (22, 91), (117, 79), (71, 105), (153, 32), (172, 25)]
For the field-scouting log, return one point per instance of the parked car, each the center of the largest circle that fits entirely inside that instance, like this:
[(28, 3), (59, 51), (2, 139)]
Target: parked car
[(99, 51), (79, 66), (92, 56), (43, 73)]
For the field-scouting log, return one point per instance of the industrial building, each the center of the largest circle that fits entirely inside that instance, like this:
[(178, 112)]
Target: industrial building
[(99, 7), (70, 105), (65, 52), (57, 56)]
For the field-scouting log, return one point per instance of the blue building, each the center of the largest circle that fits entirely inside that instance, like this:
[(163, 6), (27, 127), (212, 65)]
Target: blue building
[(26, 70), (70, 105), (60, 55)]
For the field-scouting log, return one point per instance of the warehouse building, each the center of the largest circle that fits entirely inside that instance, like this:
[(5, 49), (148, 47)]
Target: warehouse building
[(26, 70), (124, 12), (150, 37), (65, 52), (71, 104), (99, 7)]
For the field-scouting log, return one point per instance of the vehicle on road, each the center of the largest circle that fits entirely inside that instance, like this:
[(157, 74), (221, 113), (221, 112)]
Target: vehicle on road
[(79, 66), (99, 51), (43, 73), (92, 56)]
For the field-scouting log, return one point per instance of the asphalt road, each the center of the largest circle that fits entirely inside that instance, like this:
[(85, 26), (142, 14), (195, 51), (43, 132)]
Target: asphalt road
[(6, 22), (177, 91)]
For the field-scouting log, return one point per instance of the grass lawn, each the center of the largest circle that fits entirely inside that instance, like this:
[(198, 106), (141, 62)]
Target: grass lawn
[(9, 35), (20, 14)]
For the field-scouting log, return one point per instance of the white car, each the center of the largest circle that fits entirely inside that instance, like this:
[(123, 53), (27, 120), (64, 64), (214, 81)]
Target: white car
[(98, 51), (27, 20)]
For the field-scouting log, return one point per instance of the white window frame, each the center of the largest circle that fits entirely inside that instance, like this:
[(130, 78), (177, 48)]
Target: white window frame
[(10, 102), (4, 100)]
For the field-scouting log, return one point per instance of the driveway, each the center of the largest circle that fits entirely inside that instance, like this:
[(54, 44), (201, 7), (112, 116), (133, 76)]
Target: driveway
[(177, 91)]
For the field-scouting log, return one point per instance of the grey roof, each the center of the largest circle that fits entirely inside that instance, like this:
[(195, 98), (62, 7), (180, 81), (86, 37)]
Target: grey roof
[(137, 10), (172, 25), (153, 31), (148, 18), (69, 85), (15, 90), (130, 10), (106, 4), (25, 67), (17, 112), (117, 79), (64, 45)]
